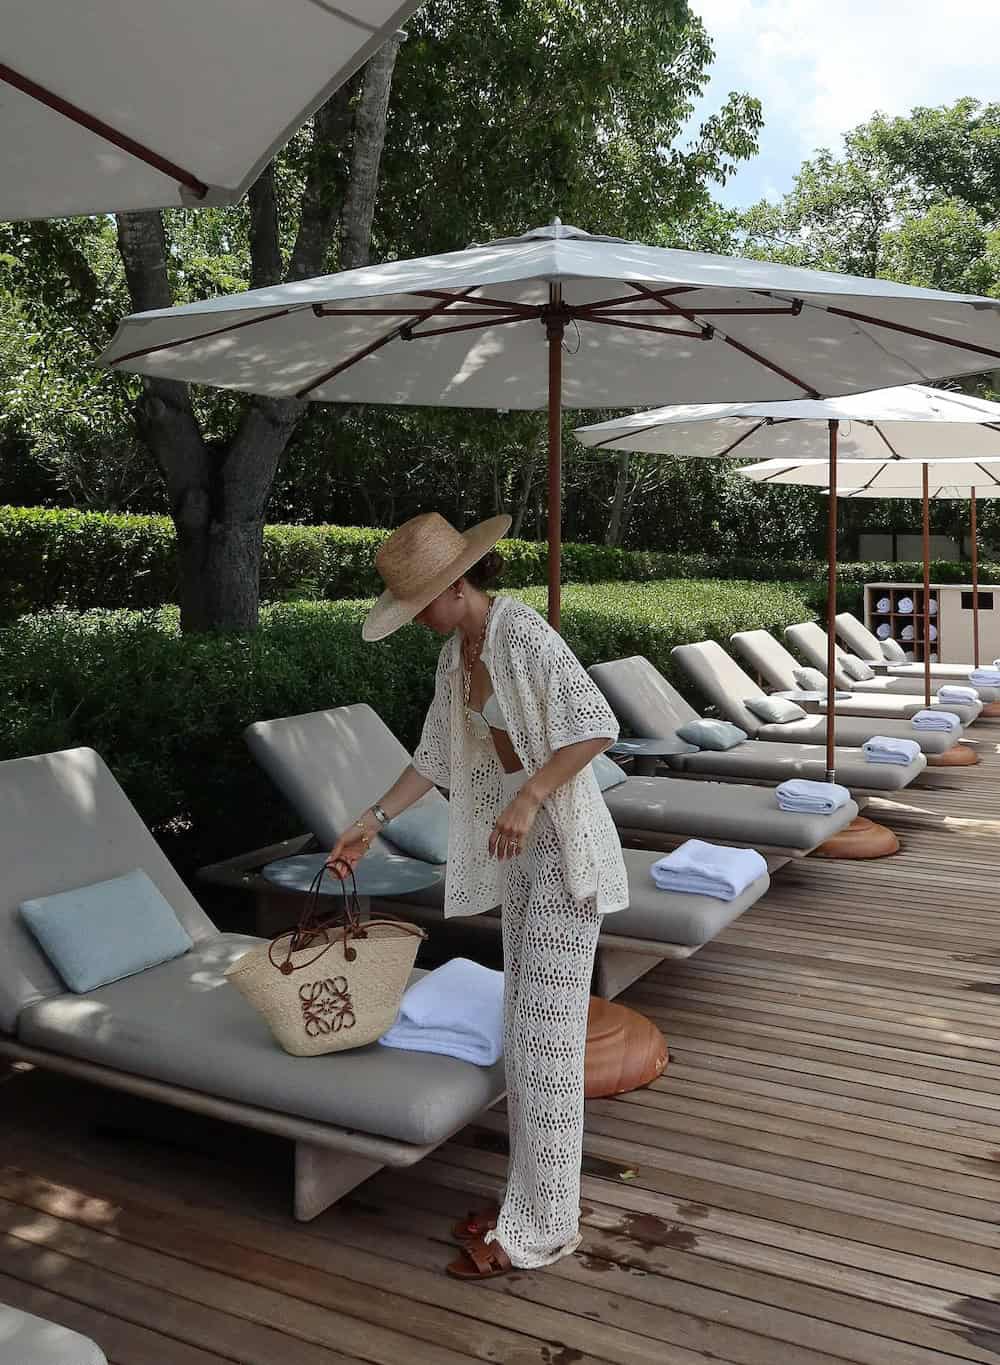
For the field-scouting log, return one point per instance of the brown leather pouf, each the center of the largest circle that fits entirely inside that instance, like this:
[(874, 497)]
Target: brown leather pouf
[(862, 838), (958, 756), (625, 1051), (990, 711)]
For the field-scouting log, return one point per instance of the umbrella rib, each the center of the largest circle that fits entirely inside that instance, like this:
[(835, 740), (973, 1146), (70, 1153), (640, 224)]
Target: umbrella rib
[(702, 335), (881, 470), (989, 474), (529, 310), (888, 444), (908, 331), (775, 474), (420, 316), (353, 19), (102, 130), (407, 333), (731, 341), (658, 294), (204, 336)]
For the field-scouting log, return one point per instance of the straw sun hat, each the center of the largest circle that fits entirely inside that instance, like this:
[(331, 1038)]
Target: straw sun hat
[(419, 560)]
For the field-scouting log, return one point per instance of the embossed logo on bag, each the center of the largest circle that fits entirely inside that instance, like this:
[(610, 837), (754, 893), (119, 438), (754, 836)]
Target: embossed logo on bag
[(326, 1006)]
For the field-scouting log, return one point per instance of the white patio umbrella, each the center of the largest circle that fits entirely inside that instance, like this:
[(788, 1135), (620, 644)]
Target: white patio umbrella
[(924, 481), (558, 316), (106, 107), (901, 425)]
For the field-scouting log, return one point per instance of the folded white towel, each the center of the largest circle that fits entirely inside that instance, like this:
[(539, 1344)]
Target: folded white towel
[(709, 870), (883, 604), (936, 720), (904, 606), (883, 631), (885, 749), (906, 633), (956, 692), (985, 677), (456, 1010), (811, 798)]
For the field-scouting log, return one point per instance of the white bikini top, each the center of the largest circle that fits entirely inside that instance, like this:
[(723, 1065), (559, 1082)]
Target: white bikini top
[(491, 715)]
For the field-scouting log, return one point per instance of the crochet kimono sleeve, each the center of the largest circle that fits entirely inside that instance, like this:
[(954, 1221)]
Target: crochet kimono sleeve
[(432, 758), (575, 708)]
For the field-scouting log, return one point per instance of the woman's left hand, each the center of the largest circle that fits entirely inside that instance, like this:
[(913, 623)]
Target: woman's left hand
[(513, 826)]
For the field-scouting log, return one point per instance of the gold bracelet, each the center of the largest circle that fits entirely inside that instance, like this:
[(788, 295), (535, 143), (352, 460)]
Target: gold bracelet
[(365, 837)]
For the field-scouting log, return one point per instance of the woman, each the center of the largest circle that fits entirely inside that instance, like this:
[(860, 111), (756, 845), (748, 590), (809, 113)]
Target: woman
[(511, 733)]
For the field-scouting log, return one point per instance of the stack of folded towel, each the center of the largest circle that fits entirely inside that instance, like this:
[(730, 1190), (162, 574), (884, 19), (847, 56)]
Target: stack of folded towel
[(883, 605), (709, 870), (456, 1010), (985, 676), (936, 720), (955, 692), (811, 798), (906, 633), (883, 631), (905, 606), (883, 749)]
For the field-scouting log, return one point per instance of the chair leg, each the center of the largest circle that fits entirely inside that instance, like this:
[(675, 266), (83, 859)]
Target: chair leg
[(324, 1175)]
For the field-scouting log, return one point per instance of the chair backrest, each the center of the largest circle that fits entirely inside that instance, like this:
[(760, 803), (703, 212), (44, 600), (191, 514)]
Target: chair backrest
[(67, 823), (641, 697), (767, 657), (330, 765), (721, 680), (859, 639), (810, 640)]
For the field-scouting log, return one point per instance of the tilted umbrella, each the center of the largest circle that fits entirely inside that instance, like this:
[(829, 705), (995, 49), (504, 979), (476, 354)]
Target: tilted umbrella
[(558, 316), (899, 425), (948, 479), (106, 107)]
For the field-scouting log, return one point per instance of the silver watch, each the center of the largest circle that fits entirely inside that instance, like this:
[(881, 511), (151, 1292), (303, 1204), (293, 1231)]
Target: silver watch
[(379, 814)]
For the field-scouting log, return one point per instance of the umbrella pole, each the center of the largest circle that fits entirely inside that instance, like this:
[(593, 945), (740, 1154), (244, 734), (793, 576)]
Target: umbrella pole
[(927, 586), (975, 577), (555, 327), (831, 606)]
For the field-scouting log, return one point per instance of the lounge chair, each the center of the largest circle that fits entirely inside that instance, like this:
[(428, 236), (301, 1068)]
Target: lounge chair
[(777, 666), (27, 1340), (178, 1032), (645, 702), (725, 685), (861, 642)]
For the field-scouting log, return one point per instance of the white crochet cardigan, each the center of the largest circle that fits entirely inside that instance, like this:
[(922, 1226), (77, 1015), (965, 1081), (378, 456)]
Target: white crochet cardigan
[(548, 702)]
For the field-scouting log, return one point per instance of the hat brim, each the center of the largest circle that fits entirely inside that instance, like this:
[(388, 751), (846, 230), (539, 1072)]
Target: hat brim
[(390, 612)]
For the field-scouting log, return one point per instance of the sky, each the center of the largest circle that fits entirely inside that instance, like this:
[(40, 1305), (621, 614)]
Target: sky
[(821, 68)]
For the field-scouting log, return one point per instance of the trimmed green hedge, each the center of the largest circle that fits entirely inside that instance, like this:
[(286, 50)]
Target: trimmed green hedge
[(167, 711), (58, 558)]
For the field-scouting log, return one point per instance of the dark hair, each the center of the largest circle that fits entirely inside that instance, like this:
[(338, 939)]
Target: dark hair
[(486, 571)]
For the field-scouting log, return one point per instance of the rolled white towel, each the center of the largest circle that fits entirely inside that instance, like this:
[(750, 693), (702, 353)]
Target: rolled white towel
[(932, 606), (883, 631), (456, 1010), (883, 605), (985, 677), (956, 692), (811, 798), (936, 720), (885, 749), (709, 870), (910, 656), (932, 631), (905, 606), (906, 633)]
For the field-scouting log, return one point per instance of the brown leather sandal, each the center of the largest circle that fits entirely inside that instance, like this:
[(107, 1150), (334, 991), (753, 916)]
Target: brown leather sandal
[(476, 1224), (480, 1261)]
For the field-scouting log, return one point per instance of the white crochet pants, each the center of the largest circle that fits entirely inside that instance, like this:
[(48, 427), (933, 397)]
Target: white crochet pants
[(549, 942)]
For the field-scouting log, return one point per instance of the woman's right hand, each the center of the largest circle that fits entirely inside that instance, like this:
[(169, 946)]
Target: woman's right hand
[(352, 846)]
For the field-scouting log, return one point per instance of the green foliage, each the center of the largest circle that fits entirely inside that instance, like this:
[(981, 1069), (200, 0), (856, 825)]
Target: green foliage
[(167, 711)]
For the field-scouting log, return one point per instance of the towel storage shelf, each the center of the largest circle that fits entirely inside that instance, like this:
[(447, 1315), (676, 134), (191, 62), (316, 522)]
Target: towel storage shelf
[(952, 618)]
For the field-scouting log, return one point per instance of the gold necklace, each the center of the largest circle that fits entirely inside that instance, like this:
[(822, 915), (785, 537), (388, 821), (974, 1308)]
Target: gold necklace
[(469, 662)]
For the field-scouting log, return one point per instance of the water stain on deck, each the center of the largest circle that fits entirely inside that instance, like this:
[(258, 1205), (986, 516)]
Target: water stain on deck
[(560, 1355), (983, 987), (693, 1211)]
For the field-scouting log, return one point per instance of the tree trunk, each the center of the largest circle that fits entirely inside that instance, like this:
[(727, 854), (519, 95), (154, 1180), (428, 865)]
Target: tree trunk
[(369, 139), (616, 524)]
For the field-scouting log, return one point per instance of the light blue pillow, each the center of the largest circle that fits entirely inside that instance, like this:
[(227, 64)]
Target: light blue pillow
[(421, 831), (712, 734), (607, 772), (774, 710), (100, 933)]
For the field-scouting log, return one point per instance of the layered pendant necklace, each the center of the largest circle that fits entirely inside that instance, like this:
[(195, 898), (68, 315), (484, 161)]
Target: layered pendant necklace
[(469, 661)]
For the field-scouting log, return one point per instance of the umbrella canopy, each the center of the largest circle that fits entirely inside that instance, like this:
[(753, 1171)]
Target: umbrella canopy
[(155, 105), (911, 422), (903, 425), (558, 315)]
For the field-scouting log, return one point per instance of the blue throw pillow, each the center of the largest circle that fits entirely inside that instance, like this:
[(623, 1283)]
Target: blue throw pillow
[(712, 734), (607, 772), (100, 933), (421, 831)]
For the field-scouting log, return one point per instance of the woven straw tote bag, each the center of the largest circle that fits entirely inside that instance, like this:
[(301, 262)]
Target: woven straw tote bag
[(331, 983)]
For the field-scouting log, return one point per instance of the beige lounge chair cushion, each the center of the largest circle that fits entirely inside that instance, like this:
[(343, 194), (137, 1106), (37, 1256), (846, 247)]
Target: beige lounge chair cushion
[(642, 698), (852, 731), (859, 639), (64, 823), (764, 761), (27, 1340), (716, 811), (184, 1024)]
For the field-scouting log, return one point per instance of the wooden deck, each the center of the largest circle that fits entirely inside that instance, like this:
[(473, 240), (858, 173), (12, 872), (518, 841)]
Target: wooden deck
[(816, 1178)]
